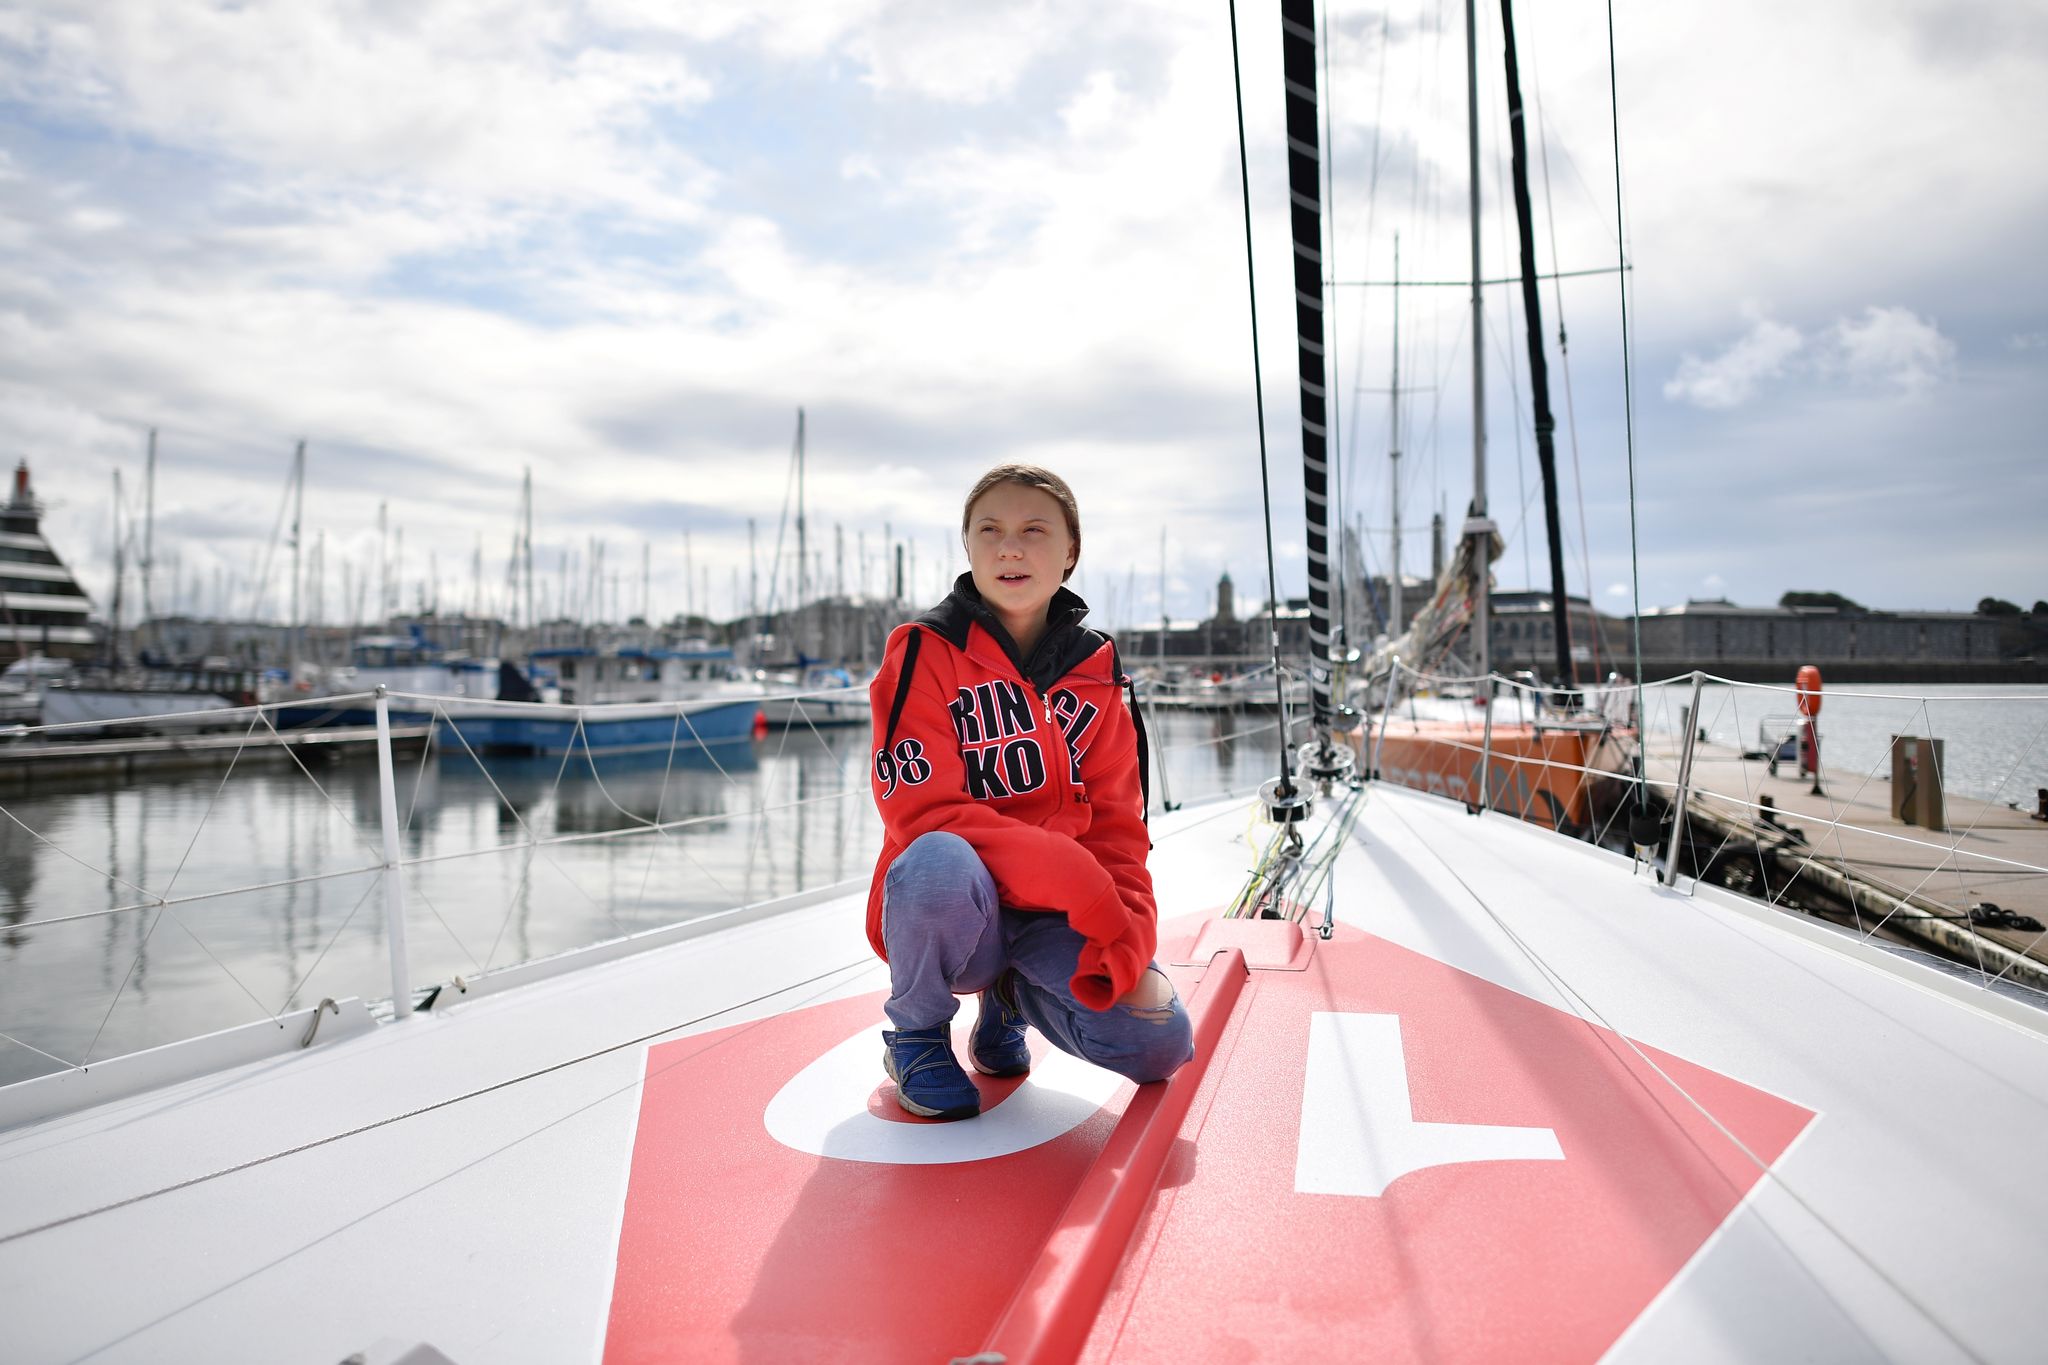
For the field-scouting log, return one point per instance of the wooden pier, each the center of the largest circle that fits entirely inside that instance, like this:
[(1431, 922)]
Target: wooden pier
[(28, 763), (1949, 889)]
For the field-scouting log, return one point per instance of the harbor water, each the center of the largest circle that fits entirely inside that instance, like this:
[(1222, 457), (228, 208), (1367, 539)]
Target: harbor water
[(171, 907)]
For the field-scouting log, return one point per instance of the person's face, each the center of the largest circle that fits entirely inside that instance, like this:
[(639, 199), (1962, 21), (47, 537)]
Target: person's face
[(1018, 549)]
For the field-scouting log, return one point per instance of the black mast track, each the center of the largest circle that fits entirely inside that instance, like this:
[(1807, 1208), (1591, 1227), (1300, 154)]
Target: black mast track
[(1304, 186), (1539, 374)]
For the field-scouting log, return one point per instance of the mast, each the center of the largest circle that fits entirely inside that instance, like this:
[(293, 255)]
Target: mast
[(1304, 184), (1539, 375), (802, 562), (1394, 456), (120, 572), (526, 506), (1478, 529), (298, 576), (148, 530), (1165, 619)]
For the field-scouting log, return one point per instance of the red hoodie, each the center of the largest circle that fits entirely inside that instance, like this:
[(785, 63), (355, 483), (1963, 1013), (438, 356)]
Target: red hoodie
[(1034, 762)]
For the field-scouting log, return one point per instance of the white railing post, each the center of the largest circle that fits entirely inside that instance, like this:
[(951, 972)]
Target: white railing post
[(1166, 801), (394, 879), (1486, 749), (1692, 722), (1386, 709)]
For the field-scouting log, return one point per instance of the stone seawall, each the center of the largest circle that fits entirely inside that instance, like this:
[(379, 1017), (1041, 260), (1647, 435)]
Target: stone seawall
[(1851, 670)]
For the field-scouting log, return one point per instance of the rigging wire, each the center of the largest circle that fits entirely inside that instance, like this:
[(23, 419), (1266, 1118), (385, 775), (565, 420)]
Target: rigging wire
[(163, 907), (1244, 176), (1564, 360), (1628, 410), (1372, 193), (1498, 333)]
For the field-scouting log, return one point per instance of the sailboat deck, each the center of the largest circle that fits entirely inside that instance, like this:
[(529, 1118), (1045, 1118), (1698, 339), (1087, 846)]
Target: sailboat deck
[(1768, 1141)]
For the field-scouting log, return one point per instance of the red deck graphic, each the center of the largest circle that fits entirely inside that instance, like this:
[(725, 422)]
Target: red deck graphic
[(1527, 1197)]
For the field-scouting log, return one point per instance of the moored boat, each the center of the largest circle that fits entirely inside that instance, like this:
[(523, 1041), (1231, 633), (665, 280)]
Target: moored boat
[(603, 700), (817, 694), (97, 700)]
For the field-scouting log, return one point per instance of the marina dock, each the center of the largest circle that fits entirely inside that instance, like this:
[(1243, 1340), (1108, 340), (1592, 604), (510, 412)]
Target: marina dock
[(27, 764), (1967, 890)]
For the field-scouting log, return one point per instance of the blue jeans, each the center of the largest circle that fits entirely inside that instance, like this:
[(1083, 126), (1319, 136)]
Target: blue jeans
[(948, 936)]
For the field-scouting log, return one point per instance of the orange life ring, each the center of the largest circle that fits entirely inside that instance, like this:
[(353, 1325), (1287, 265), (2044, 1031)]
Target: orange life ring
[(1809, 690)]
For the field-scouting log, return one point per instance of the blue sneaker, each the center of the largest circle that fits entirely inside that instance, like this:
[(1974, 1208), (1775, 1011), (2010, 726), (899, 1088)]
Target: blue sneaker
[(998, 1046), (929, 1081)]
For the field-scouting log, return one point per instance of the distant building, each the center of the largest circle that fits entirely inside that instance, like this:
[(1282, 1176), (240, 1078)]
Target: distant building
[(1523, 636), (1221, 640), (1770, 643)]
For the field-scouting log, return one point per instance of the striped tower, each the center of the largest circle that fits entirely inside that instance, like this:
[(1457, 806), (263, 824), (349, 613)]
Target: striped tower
[(1304, 190)]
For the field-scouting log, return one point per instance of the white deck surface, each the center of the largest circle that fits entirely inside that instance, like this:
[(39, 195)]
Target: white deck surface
[(1908, 1222)]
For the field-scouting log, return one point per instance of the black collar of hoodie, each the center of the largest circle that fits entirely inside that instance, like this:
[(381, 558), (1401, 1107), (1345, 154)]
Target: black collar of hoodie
[(1063, 647)]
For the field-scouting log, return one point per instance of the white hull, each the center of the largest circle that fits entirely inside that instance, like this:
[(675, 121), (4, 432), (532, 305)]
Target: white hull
[(110, 706), (821, 709)]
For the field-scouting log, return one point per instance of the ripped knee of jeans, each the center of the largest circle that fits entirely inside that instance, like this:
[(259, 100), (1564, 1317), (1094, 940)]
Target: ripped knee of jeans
[(1151, 999)]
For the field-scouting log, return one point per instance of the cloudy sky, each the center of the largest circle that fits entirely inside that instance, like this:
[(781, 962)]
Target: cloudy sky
[(620, 242)]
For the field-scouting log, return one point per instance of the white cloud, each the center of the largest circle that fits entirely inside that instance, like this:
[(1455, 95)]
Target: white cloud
[(1732, 377), (927, 49), (1889, 347), (1097, 109), (90, 219), (471, 97), (2027, 341)]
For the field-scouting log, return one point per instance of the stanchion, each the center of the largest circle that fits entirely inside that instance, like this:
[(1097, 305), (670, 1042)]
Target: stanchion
[(1486, 750), (1684, 781), (394, 879), (1386, 709)]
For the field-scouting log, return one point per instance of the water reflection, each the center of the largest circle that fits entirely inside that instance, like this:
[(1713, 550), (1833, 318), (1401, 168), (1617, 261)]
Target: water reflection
[(504, 865)]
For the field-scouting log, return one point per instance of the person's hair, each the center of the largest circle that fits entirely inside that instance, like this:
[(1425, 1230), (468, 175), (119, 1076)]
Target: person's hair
[(1029, 476)]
